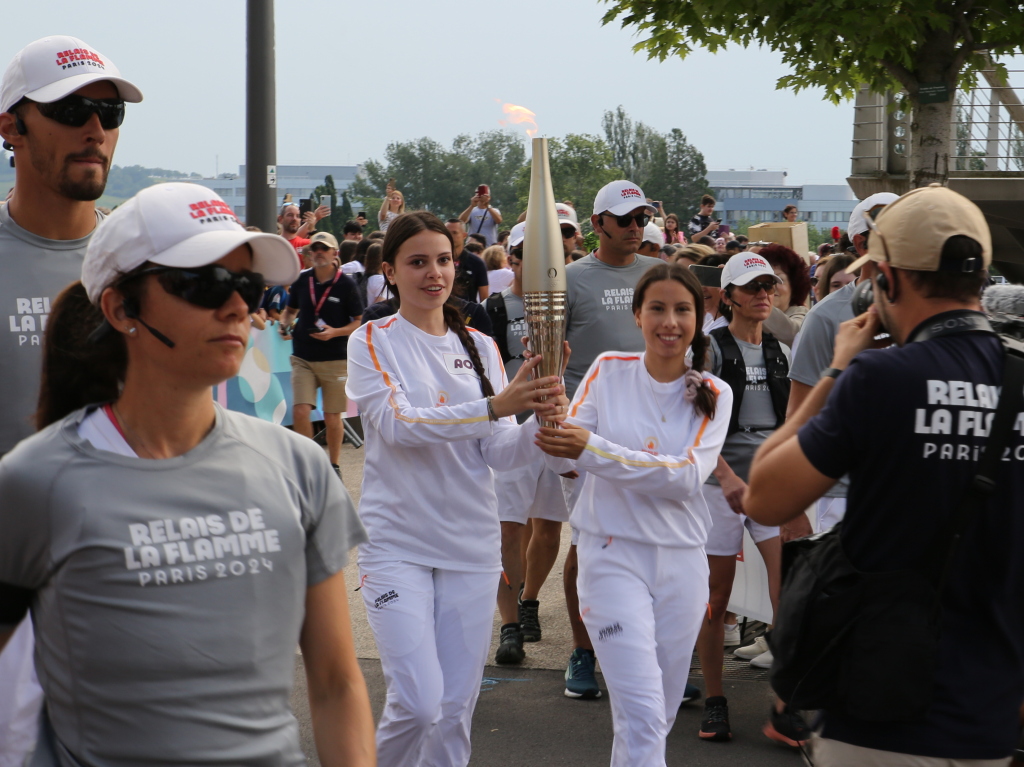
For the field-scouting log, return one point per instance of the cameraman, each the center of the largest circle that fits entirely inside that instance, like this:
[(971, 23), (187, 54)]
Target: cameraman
[(908, 424)]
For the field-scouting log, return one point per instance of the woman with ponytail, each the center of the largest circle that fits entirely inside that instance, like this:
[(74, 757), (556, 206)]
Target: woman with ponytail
[(647, 428), (438, 415), (173, 553)]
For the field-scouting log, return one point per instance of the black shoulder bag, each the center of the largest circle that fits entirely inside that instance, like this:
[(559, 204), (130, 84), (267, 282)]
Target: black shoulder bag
[(864, 643)]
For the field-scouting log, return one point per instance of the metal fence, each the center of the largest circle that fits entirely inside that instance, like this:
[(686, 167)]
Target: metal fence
[(987, 131)]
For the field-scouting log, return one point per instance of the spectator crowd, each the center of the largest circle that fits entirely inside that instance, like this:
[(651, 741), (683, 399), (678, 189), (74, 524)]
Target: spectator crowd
[(161, 557)]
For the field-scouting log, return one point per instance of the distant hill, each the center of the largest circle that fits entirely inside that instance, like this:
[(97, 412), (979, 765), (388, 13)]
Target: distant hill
[(122, 182)]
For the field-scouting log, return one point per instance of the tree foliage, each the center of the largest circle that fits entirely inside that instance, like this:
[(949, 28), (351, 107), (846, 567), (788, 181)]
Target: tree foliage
[(839, 45), (442, 180)]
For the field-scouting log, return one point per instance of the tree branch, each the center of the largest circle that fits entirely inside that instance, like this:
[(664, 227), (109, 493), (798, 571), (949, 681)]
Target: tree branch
[(901, 73)]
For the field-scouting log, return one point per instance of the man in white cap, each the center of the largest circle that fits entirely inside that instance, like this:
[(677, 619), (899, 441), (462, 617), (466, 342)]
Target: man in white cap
[(652, 242), (812, 352), (61, 107), (599, 308), (570, 229), (912, 426)]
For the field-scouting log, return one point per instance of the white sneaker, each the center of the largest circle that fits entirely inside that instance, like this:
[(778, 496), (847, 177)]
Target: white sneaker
[(732, 635), (751, 651), (764, 660)]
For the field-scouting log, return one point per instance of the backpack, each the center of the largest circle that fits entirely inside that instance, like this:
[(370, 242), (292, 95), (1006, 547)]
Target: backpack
[(734, 373), (498, 313)]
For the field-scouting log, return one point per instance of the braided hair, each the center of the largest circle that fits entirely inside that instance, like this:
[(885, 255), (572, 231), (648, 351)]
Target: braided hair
[(408, 225), (707, 401)]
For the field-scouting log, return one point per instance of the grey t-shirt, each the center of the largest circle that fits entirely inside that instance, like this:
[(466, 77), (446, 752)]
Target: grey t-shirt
[(517, 328), (481, 221), (815, 345), (169, 595), (600, 312), (35, 270), (755, 409)]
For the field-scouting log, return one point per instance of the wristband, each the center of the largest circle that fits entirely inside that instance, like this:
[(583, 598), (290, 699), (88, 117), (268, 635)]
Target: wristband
[(490, 409), (831, 372)]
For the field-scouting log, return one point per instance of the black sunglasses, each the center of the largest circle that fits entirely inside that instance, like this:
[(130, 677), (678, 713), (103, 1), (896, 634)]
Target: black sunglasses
[(756, 286), (642, 219), (76, 111), (209, 286)]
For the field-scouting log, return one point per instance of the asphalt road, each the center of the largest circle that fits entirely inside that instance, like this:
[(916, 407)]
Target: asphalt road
[(522, 718)]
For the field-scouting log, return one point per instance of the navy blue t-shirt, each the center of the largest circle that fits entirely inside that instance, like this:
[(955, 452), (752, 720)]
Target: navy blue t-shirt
[(907, 424), (343, 305), (470, 276)]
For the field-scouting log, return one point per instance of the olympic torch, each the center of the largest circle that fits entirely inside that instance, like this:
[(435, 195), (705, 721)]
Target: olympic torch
[(544, 269)]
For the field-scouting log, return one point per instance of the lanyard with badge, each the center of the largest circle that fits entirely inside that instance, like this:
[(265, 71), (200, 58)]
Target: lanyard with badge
[(318, 305)]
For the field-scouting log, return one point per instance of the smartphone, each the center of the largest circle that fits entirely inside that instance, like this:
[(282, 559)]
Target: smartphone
[(482, 190), (723, 230), (392, 183), (325, 199), (708, 276), (362, 213), (656, 203), (320, 324), (305, 206)]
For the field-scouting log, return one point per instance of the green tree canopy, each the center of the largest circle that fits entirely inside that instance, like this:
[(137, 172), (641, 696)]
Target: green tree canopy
[(839, 45)]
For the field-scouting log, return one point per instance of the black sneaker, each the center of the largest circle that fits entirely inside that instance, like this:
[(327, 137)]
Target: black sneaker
[(337, 470), (715, 723), (510, 648), (788, 728), (529, 619)]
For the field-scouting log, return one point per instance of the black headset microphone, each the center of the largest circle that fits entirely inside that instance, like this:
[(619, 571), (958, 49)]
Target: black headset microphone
[(19, 125), (131, 311)]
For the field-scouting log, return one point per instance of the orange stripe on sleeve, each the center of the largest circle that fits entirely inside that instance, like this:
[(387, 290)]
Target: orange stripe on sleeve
[(593, 376), (390, 385)]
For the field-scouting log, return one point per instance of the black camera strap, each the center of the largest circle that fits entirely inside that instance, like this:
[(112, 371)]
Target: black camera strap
[(949, 324)]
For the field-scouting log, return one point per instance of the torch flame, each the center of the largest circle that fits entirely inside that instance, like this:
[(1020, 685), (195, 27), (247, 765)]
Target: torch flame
[(519, 115)]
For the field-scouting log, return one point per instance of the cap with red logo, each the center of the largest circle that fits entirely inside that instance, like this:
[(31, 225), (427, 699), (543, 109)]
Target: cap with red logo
[(180, 225), (566, 215), (621, 197), (54, 67), (744, 267)]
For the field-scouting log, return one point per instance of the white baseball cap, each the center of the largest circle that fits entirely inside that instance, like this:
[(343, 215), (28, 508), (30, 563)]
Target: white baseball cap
[(744, 267), (652, 233), (566, 215), (621, 197), (869, 205), (53, 67), (911, 232), (517, 235), (182, 225)]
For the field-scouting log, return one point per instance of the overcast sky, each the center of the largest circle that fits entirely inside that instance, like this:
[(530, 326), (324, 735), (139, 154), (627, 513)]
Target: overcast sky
[(352, 77)]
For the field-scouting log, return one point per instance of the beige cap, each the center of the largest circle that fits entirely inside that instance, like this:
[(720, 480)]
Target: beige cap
[(911, 232), (325, 238)]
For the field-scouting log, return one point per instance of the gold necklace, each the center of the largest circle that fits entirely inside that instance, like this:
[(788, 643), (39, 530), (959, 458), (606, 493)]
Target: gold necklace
[(124, 425)]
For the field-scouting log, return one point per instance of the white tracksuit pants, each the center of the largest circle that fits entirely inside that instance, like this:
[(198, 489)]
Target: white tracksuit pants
[(433, 632), (642, 605)]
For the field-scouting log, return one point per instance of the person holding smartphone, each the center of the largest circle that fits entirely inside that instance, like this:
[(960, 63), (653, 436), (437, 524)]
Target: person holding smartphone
[(326, 307), (703, 225), (480, 217)]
